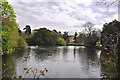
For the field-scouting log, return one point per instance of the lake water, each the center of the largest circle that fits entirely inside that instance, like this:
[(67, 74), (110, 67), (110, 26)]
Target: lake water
[(61, 62)]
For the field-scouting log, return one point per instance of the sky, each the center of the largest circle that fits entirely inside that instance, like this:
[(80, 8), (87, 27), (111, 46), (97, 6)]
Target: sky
[(62, 15)]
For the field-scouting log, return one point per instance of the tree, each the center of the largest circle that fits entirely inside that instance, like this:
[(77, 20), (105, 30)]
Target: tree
[(81, 37), (108, 3), (90, 35), (61, 41), (110, 41), (44, 36), (75, 37), (28, 29), (60, 32), (110, 36), (10, 33), (55, 31), (65, 36), (109, 28), (88, 28)]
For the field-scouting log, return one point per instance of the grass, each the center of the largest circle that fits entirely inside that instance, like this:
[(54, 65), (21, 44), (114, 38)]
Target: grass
[(75, 44)]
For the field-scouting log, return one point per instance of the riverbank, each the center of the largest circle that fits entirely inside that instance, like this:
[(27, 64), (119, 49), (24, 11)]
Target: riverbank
[(75, 44)]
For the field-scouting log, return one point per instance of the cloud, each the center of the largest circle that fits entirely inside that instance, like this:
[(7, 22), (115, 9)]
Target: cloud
[(61, 15)]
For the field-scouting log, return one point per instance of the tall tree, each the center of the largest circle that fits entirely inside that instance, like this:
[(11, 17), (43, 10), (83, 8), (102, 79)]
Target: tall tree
[(88, 28), (90, 35), (28, 29), (110, 41), (65, 36), (10, 34), (75, 37)]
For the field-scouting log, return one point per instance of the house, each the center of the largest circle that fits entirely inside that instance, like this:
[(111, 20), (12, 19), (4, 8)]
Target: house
[(71, 38)]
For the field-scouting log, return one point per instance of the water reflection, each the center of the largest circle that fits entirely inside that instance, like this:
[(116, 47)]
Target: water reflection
[(74, 52), (61, 61), (9, 63), (42, 53)]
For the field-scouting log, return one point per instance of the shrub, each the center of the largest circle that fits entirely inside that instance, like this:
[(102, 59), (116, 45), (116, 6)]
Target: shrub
[(21, 43), (90, 44), (61, 42)]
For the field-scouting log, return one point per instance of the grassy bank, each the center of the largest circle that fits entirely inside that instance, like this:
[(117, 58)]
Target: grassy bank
[(75, 44)]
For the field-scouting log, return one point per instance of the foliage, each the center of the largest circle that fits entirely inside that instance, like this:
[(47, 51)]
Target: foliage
[(28, 29), (7, 11), (65, 36), (44, 36), (27, 37), (88, 28), (91, 35), (89, 43), (24, 35), (10, 34), (109, 56), (109, 28), (75, 37), (110, 42), (81, 38), (61, 41), (22, 43)]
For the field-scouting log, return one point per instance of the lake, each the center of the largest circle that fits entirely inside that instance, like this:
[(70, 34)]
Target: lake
[(61, 62)]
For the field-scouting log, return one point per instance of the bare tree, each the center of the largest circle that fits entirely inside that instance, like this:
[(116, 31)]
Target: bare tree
[(108, 3), (91, 34), (88, 27)]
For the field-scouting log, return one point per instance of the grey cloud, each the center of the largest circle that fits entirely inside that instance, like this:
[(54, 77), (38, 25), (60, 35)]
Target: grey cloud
[(35, 14)]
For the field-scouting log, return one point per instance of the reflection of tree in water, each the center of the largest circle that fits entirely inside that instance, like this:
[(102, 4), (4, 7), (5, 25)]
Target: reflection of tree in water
[(91, 57), (108, 65), (74, 52), (26, 56), (91, 54), (9, 63), (41, 53), (65, 50), (81, 50), (8, 66), (88, 57)]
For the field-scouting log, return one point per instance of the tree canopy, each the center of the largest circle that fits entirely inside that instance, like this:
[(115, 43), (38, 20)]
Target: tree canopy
[(91, 36), (44, 36), (10, 35)]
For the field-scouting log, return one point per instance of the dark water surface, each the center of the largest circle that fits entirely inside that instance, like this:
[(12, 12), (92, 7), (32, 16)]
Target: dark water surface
[(61, 62)]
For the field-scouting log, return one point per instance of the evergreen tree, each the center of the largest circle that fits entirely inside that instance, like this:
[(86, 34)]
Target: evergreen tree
[(28, 29), (75, 37)]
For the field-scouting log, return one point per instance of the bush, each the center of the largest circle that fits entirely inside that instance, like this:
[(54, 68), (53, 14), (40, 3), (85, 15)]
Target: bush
[(9, 39), (21, 43), (61, 42), (90, 43)]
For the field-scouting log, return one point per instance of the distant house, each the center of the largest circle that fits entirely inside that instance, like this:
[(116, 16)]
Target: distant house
[(71, 39)]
